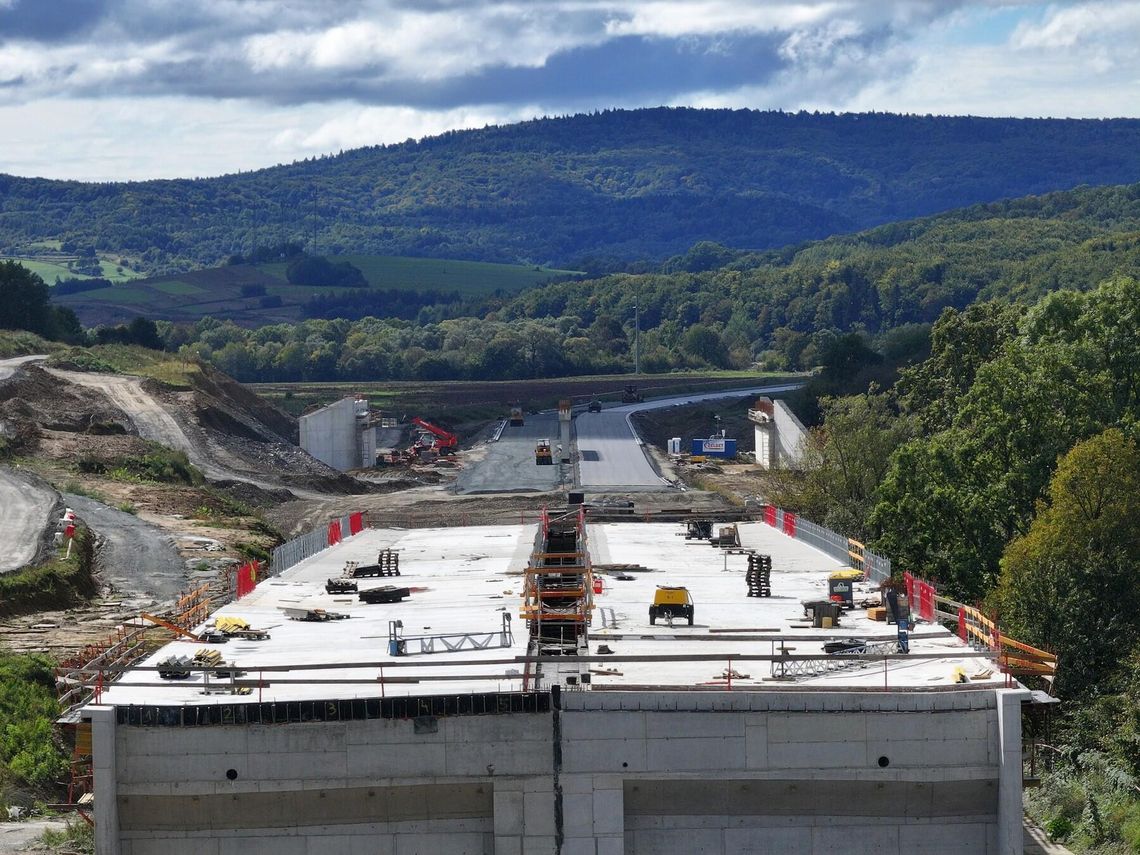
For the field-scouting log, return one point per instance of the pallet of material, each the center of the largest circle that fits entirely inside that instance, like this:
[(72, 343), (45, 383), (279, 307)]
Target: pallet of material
[(877, 613), (312, 615), (386, 594), (340, 586)]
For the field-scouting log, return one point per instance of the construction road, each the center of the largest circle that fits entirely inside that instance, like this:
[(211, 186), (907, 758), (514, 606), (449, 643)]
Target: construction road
[(25, 512), (8, 367), (610, 455), (153, 422), (509, 463), (137, 559), (607, 453)]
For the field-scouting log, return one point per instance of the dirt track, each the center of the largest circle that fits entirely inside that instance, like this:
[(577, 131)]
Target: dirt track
[(136, 559), (154, 422), (27, 506)]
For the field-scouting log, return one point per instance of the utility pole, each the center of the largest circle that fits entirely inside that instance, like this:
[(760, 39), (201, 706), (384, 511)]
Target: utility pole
[(636, 337)]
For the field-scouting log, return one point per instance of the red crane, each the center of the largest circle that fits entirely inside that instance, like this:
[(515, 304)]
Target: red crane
[(445, 441)]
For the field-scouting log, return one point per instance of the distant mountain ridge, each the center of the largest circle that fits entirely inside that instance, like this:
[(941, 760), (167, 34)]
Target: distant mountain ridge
[(591, 190)]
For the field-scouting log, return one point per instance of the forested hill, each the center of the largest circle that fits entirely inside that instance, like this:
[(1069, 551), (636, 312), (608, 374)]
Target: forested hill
[(587, 191)]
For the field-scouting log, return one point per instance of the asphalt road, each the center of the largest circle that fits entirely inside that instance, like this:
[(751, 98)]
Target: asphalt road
[(509, 465), (609, 452), (25, 512), (137, 559)]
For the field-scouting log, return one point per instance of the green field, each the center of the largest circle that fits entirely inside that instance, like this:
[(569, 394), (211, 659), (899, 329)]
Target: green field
[(474, 278), (49, 271), (217, 291)]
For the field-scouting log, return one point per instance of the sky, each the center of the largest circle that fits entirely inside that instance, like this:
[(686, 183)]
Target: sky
[(110, 90)]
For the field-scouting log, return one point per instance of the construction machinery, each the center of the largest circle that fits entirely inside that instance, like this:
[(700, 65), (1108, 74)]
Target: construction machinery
[(630, 395), (543, 456), (443, 441), (841, 586), (671, 602), (698, 529), (595, 405), (516, 418)]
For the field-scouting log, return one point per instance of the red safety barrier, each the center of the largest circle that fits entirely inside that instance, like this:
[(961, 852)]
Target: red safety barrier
[(770, 515), (355, 523), (962, 624), (334, 532), (909, 580), (789, 524), (246, 579)]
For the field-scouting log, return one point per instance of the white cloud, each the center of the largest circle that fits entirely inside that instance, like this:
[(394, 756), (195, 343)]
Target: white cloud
[(677, 18), (200, 89), (1084, 24)]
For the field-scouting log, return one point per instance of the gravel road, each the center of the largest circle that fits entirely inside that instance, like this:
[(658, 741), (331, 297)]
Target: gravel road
[(134, 557), (8, 367), (25, 512)]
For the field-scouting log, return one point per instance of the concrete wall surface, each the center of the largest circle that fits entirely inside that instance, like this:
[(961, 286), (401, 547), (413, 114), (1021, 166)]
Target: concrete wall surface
[(605, 773), (790, 437), (330, 435)]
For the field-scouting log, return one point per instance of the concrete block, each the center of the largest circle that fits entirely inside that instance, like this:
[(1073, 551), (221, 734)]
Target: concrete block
[(497, 728), (438, 844), (506, 758), (818, 727), (681, 725), (309, 765), (290, 738), (508, 814), (539, 846), (605, 755), (538, 814), (609, 812), (603, 725), (704, 841), (172, 846), (611, 845), (579, 846), (756, 746), (691, 755), (767, 840), (508, 845), (816, 755), (843, 839), (352, 844), (276, 844), (935, 753), (394, 761), (945, 839), (378, 731), (577, 811), (142, 769), (581, 783)]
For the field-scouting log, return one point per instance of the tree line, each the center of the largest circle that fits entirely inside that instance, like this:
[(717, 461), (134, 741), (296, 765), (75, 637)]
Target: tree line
[(596, 192)]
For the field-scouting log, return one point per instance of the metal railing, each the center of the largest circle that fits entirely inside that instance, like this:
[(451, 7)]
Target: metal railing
[(876, 568), (294, 551)]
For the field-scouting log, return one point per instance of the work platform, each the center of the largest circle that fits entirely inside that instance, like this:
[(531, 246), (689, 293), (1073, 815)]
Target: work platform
[(432, 725), (466, 589)]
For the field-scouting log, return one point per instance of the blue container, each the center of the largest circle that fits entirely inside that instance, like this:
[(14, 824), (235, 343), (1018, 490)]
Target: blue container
[(715, 447)]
